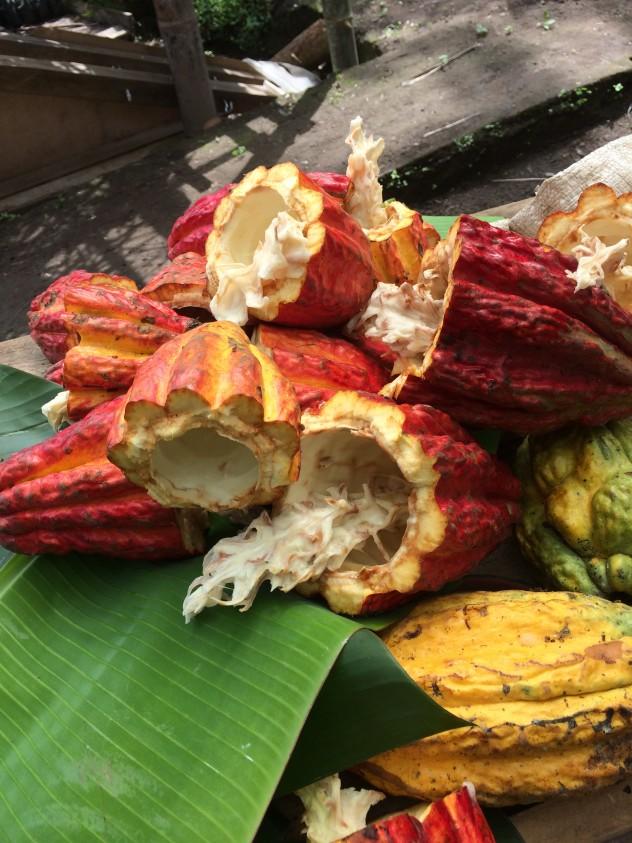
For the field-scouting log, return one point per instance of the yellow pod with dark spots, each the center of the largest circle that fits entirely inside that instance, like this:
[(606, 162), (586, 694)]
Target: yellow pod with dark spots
[(545, 679)]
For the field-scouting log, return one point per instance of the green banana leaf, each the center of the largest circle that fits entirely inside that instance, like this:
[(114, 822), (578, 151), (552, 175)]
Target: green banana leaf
[(120, 722), (442, 224)]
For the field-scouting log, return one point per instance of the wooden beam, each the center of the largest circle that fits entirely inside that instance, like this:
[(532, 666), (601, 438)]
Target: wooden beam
[(180, 32), (342, 44)]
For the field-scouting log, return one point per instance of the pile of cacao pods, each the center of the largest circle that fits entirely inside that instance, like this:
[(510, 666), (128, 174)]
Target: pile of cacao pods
[(320, 353)]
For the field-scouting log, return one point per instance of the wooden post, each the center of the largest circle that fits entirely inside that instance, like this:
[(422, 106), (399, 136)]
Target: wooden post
[(342, 44), (179, 29)]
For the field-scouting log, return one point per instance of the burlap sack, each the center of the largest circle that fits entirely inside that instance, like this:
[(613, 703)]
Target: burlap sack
[(610, 164)]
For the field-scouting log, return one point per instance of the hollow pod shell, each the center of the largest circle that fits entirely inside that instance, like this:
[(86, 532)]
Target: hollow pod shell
[(111, 332), (391, 500), (209, 421), (181, 283), (544, 679), (282, 250), (398, 244), (460, 500), (515, 346), (64, 494), (50, 324), (601, 214), (318, 365)]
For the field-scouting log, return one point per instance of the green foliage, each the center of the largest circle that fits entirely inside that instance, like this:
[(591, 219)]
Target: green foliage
[(237, 23)]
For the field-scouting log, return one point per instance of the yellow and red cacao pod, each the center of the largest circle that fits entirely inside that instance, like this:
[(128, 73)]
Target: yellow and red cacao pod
[(209, 421), (599, 213), (397, 246), (112, 331), (191, 230), (545, 679), (64, 494), (48, 317), (516, 347), (456, 819), (181, 283), (461, 501), (318, 365), (282, 250)]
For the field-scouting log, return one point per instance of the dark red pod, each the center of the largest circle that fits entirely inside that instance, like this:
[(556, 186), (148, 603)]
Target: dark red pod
[(517, 347)]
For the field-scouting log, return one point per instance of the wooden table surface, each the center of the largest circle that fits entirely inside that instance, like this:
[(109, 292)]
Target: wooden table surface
[(603, 816)]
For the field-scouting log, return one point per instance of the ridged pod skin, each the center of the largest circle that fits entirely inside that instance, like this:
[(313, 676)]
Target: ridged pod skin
[(181, 283), (545, 680), (455, 819), (577, 507), (318, 365), (337, 279), (63, 495), (112, 332), (191, 230), (599, 213), (398, 245), (517, 347), (461, 504), (209, 421), (47, 316)]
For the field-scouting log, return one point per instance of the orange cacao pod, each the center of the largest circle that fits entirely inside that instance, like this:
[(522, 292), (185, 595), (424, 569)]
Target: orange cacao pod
[(209, 421)]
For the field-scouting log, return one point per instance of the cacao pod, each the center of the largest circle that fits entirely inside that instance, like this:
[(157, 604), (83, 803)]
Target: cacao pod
[(47, 315), (397, 245), (111, 331), (577, 515), (282, 250), (209, 421), (543, 678), (455, 819), (63, 494), (391, 500), (600, 214), (191, 230), (181, 283), (318, 365), (512, 345)]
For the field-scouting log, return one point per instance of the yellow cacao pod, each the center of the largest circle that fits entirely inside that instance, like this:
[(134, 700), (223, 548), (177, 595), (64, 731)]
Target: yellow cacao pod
[(544, 678)]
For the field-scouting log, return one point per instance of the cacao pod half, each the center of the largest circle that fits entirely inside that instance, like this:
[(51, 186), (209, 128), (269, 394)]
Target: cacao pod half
[(63, 494), (545, 680), (282, 250), (599, 229), (511, 344), (391, 500), (209, 421)]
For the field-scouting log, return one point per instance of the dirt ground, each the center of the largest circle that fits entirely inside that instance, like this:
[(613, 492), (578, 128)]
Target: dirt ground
[(119, 223)]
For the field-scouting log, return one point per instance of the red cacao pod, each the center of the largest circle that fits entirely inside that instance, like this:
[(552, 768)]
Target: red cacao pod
[(318, 365), (63, 495)]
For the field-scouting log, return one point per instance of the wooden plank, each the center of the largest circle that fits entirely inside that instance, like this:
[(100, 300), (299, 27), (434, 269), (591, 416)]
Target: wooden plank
[(53, 172), (214, 62), (23, 353), (76, 79), (506, 210), (597, 817), (103, 53)]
